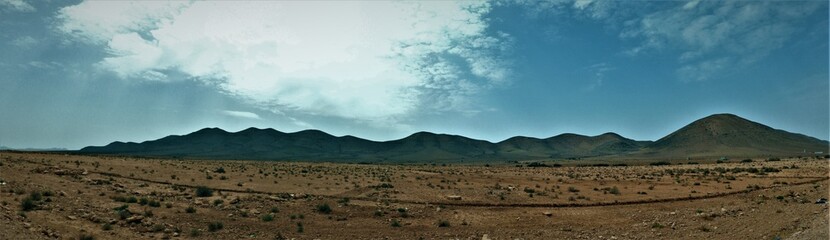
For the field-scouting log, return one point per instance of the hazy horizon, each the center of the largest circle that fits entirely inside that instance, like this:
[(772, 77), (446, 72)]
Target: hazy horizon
[(82, 73)]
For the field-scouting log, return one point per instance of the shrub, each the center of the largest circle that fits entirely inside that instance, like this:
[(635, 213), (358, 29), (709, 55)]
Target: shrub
[(443, 223), (219, 170), (215, 226), (195, 232), (203, 191), (119, 199), (572, 189), (35, 196), (132, 200), (267, 217), (154, 203), (299, 227), (106, 227), (746, 160), (143, 201), (28, 204), (395, 223), (84, 236), (122, 207), (190, 209), (614, 190), (324, 208), (275, 210), (124, 214), (279, 236)]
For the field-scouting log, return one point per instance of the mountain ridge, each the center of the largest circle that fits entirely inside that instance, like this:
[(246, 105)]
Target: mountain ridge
[(714, 135)]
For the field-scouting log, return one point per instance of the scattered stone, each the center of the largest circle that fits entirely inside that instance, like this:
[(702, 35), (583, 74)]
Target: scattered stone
[(135, 219)]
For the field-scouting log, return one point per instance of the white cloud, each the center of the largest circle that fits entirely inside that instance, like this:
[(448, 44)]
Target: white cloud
[(239, 114), (707, 31), (16, 5), (359, 60)]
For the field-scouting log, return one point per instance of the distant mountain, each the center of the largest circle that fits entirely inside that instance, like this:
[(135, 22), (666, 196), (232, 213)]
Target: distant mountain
[(33, 149), (716, 135), (570, 145), (730, 135)]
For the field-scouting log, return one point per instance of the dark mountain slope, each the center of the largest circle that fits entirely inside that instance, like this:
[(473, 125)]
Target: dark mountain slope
[(716, 135), (730, 135)]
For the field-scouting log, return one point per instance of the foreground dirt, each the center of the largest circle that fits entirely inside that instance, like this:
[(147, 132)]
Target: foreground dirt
[(126, 198)]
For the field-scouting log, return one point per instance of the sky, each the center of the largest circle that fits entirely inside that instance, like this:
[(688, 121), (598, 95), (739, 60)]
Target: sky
[(81, 73)]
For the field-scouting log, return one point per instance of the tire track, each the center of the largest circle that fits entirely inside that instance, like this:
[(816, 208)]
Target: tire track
[(489, 205)]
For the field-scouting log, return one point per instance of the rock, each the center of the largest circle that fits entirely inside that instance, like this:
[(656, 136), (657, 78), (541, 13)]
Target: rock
[(135, 219), (454, 197), (72, 217), (485, 237), (548, 213), (234, 201)]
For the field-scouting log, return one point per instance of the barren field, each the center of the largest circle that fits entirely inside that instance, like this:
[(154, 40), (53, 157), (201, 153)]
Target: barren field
[(52, 196)]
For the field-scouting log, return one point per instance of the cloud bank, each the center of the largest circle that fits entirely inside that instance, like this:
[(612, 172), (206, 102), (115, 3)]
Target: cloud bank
[(711, 38), (376, 61)]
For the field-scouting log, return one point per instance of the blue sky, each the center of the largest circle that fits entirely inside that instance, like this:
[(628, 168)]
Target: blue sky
[(80, 73)]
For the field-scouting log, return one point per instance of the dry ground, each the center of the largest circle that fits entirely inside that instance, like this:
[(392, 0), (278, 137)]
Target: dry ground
[(129, 198)]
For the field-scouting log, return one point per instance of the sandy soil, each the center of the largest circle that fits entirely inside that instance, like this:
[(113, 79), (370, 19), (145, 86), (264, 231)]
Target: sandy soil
[(86, 196)]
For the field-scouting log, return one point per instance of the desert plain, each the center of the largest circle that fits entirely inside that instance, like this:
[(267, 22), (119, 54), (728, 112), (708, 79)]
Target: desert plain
[(59, 196)]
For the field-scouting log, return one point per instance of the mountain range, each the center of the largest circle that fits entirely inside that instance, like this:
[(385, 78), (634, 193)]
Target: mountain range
[(719, 135)]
